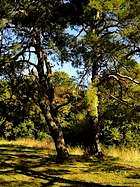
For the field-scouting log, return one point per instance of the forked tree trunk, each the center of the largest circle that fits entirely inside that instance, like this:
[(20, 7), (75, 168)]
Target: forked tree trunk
[(46, 96), (55, 132)]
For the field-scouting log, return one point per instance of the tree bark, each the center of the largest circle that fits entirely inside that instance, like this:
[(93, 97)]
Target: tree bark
[(94, 121), (93, 145), (56, 133)]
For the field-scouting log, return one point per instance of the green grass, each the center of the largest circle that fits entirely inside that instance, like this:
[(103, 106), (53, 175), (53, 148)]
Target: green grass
[(29, 163)]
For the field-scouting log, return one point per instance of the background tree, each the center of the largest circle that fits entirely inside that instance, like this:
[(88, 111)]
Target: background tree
[(107, 46)]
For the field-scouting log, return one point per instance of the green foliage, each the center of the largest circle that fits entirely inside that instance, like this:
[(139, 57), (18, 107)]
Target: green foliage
[(81, 116), (92, 100), (24, 129), (3, 23), (8, 130), (42, 135), (120, 125), (117, 6), (4, 90)]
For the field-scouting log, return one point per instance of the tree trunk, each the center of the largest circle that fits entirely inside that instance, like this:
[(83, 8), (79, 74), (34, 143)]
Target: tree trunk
[(98, 151), (93, 146), (94, 121), (57, 135), (55, 132), (46, 96), (96, 133)]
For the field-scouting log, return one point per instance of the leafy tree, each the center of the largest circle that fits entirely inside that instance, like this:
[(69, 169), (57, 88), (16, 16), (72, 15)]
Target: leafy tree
[(121, 115), (107, 49), (30, 27)]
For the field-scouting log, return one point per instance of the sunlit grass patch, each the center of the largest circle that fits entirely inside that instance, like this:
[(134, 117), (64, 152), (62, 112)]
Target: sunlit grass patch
[(28, 142), (77, 150), (104, 178), (14, 180), (125, 155)]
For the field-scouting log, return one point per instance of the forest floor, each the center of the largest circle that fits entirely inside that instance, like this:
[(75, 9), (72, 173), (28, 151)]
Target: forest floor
[(28, 163)]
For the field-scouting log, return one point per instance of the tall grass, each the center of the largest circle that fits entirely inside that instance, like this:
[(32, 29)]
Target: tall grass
[(76, 150), (123, 153), (28, 142)]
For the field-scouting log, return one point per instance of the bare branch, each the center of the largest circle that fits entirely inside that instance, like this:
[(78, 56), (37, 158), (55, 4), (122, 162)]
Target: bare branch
[(114, 76), (20, 53), (129, 78), (79, 32), (121, 101), (81, 80)]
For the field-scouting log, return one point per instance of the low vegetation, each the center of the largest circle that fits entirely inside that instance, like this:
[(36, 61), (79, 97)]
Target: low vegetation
[(28, 162)]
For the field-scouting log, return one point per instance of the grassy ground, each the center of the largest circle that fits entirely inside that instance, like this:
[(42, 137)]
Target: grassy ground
[(29, 163)]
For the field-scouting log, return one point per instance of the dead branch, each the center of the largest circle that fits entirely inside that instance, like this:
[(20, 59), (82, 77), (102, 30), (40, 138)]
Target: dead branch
[(127, 77)]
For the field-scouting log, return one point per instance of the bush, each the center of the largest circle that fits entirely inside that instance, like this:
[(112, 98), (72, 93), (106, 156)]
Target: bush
[(24, 129)]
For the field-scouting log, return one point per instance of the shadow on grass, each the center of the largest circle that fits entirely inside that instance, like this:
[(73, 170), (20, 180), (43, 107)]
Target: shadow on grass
[(15, 160), (134, 176), (4, 183)]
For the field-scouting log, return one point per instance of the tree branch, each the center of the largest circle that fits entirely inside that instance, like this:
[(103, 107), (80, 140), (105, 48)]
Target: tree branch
[(28, 62), (127, 77), (121, 101), (79, 32), (132, 53)]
